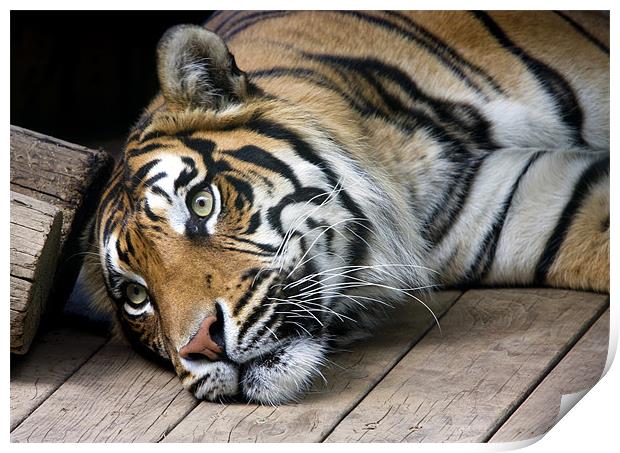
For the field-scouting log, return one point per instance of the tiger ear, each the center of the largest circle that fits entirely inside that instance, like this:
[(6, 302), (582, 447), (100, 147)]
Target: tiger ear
[(196, 69)]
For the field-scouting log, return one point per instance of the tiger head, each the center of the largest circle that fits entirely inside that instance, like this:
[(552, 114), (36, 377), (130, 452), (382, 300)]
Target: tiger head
[(233, 233)]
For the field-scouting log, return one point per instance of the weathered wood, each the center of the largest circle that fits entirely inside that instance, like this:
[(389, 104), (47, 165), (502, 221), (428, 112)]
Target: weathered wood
[(579, 370), (119, 396), (351, 376), (460, 386), (53, 357), (116, 396), (66, 176), (35, 241)]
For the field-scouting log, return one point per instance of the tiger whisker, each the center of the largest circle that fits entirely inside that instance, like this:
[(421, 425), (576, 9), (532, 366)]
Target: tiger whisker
[(400, 290), (298, 305), (353, 269), (332, 195), (326, 229)]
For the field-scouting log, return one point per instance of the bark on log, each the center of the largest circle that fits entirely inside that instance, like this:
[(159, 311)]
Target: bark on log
[(35, 238), (65, 177)]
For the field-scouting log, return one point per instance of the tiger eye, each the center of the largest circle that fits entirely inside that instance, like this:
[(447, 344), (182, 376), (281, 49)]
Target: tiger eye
[(136, 294), (202, 203)]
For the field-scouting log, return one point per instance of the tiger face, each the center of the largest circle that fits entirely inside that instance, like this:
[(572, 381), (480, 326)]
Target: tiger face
[(259, 219), (226, 244)]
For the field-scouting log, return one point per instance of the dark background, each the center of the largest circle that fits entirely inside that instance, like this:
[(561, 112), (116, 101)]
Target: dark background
[(85, 76)]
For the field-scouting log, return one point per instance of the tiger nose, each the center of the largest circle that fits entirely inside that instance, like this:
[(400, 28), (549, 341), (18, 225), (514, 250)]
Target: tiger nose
[(202, 343)]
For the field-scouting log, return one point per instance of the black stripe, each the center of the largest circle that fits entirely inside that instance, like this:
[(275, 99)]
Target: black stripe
[(584, 32), (272, 129), (249, 252), (253, 224), (159, 191), (115, 188), (253, 19), (254, 285), (359, 102), (263, 247), (470, 121), (138, 176), (128, 243), (186, 175), (433, 49), (551, 81), (442, 48), (122, 255), (488, 248), (304, 195), (223, 23), (261, 158), (257, 313), (150, 136), (589, 177), (205, 148), (150, 214), (329, 232), (213, 16), (153, 179), (268, 323), (445, 214), (243, 189), (135, 152)]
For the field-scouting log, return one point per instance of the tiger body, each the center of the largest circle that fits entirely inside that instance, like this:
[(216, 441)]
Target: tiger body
[(358, 159)]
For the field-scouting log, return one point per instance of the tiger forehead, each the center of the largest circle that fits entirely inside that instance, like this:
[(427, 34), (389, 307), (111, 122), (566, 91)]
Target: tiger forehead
[(183, 144)]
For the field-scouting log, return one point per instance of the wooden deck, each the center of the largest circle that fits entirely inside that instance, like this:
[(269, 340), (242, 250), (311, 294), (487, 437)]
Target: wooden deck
[(494, 373)]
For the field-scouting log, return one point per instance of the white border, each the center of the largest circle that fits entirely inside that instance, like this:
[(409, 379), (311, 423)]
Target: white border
[(592, 424)]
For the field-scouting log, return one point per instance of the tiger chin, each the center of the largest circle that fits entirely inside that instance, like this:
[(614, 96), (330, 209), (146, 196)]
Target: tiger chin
[(259, 219)]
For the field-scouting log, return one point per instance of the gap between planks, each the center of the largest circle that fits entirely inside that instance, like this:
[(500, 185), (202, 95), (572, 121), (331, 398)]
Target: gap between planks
[(54, 357), (580, 369), (313, 418), (497, 344), (118, 396)]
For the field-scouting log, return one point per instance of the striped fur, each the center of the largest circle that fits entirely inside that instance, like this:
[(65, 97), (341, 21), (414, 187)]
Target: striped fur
[(359, 159)]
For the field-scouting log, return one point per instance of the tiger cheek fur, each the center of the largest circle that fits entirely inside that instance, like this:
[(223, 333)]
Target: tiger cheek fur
[(259, 218)]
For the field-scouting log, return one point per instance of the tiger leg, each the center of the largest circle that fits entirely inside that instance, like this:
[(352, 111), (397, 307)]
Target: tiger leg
[(531, 217), (577, 252), (558, 234)]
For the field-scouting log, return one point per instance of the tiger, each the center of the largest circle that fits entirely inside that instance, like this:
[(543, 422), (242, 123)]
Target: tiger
[(260, 218)]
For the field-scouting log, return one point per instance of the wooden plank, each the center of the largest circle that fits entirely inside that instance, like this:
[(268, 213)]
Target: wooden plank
[(117, 396), (318, 412), (35, 242), (67, 176), (579, 370), (459, 386), (53, 357)]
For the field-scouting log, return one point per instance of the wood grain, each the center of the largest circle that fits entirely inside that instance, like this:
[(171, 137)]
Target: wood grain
[(52, 170), (35, 241), (460, 385), (53, 357), (116, 396), (67, 176), (579, 370), (352, 376)]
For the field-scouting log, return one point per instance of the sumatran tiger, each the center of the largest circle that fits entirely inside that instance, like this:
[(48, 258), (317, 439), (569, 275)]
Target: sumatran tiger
[(270, 205)]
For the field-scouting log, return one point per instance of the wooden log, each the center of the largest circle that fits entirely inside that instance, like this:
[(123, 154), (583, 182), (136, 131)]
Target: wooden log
[(68, 178), (35, 240)]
